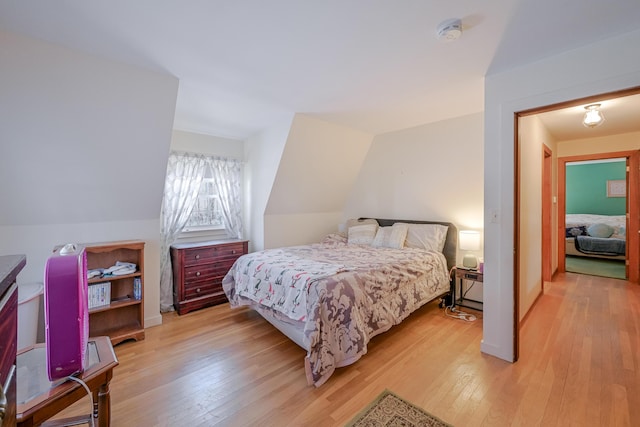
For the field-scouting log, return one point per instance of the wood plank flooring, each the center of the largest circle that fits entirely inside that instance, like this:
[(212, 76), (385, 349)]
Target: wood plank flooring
[(579, 365)]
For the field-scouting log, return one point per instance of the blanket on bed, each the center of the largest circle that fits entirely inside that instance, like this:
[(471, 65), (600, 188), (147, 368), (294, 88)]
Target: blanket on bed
[(600, 246), (374, 289), (280, 279)]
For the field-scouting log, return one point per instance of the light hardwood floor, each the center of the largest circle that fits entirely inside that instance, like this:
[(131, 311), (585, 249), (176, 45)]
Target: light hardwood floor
[(579, 365)]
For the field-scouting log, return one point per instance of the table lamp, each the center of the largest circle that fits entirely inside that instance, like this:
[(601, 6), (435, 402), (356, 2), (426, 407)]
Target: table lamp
[(469, 241)]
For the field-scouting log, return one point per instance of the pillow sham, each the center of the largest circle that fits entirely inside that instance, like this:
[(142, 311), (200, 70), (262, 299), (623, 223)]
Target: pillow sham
[(334, 238), (580, 230), (391, 237), (352, 222), (619, 233), (600, 230), (362, 234), (431, 237)]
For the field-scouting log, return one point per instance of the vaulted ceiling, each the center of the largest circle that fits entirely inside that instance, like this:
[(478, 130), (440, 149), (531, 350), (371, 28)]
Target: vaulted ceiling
[(373, 65)]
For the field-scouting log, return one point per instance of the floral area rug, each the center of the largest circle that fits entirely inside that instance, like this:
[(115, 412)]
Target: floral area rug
[(390, 410)]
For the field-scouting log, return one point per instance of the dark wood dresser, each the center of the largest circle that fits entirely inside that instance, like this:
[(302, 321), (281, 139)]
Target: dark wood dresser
[(198, 270), (10, 266)]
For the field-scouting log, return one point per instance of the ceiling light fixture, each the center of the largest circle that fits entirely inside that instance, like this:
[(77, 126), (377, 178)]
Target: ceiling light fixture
[(449, 30), (593, 117)]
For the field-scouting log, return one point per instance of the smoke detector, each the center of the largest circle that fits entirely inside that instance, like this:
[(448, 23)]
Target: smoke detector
[(449, 30)]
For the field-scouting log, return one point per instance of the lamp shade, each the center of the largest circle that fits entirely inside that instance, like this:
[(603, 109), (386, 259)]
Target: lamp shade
[(469, 240)]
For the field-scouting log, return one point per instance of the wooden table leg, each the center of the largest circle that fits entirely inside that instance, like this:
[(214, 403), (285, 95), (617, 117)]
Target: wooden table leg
[(104, 405), (96, 405)]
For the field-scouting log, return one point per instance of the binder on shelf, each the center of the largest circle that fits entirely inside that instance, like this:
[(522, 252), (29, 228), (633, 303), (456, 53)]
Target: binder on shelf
[(99, 294)]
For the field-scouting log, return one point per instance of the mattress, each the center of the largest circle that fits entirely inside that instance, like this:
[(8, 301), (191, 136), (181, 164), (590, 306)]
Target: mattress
[(579, 243), (333, 297)]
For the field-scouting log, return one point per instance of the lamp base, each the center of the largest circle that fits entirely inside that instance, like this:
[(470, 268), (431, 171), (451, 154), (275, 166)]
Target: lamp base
[(470, 261)]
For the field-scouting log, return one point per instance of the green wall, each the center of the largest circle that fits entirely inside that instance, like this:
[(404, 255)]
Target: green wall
[(586, 190)]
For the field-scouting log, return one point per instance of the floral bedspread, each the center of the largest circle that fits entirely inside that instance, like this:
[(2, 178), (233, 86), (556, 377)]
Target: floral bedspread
[(371, 289), (280, 279)]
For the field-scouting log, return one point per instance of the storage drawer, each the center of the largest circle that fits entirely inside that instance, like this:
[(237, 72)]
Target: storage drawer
[(206, 272), (212, 253), (195, 290)]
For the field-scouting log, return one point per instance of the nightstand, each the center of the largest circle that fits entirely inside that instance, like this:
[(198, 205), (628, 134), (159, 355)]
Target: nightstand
[(459, 290)]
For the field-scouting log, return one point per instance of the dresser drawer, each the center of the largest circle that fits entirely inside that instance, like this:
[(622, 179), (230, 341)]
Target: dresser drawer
[(206, 272), (197, 256), (200, 289)]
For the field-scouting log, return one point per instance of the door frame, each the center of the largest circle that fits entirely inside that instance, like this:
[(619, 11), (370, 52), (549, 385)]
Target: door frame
[(632, 255), (547, 214), (633, 188)]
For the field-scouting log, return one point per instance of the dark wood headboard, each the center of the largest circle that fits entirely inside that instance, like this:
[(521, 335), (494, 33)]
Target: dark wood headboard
[(450, 250)]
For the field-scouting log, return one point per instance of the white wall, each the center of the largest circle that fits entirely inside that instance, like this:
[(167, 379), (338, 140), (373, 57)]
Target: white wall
[(191, 142), (606, 66), (605, 144), (262, 156), (533, 136), (429, 172), (84, 144), (319, 165)]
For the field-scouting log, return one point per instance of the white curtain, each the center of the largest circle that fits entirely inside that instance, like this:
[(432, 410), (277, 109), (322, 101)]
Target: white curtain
[(185, 173), (184, 176), (226, 175)]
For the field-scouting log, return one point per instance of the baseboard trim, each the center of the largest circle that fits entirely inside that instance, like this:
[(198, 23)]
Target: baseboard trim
[(535, 301), (153, 321)]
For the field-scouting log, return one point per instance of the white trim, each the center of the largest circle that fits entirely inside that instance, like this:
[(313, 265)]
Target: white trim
[(589, 162), (202, 228), (152, 321), (203, 235)]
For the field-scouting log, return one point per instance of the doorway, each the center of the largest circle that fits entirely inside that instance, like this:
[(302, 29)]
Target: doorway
[(596, 215), (528, 285)]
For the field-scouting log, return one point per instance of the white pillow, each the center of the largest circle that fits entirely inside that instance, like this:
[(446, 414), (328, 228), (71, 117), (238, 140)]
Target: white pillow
[(600, 230), (391, 237), (352, 222), (362, 234), (426, 236)]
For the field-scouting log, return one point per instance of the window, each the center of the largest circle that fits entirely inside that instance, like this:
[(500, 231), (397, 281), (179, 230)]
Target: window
[(207, 211), (209, 189)]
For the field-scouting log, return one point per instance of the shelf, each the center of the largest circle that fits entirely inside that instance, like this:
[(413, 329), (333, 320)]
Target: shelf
[(123, 318), (117, 335), (116, 304), (469, 303), (109, 278)]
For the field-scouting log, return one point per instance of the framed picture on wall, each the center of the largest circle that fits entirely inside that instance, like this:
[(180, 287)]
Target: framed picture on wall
[(616, 188)]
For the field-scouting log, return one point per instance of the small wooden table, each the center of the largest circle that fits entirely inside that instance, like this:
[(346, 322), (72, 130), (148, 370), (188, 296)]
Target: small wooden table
[(39, 399), (462, 274)]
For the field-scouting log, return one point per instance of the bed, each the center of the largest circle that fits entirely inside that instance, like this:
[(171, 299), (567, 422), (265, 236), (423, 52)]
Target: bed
[(597, 236), (332, 297)]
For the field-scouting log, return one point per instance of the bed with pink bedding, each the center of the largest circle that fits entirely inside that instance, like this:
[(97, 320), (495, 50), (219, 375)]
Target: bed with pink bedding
[(332, 297)]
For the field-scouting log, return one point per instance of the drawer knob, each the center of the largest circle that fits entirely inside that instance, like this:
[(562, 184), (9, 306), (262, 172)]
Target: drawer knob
[(198, 256), (197, 273), (233, 251), (198, 290)]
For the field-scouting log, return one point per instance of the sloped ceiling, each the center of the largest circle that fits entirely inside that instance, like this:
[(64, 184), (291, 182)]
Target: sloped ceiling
[(373, 65), (83, 139)]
